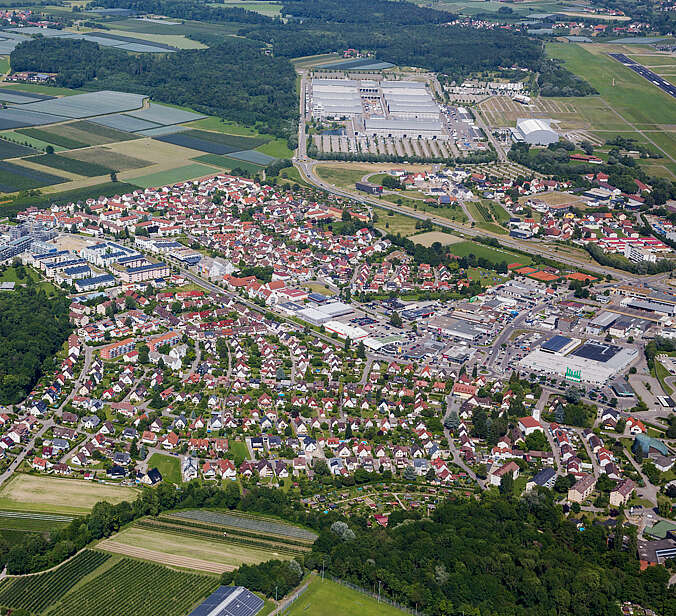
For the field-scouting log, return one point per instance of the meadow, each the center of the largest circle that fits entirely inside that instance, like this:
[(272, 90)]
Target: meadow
[(169, 467), (39, 493), (494, 255)]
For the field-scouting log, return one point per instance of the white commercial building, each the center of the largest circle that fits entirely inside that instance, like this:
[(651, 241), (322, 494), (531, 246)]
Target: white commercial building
[(535, 131), (411, 129)]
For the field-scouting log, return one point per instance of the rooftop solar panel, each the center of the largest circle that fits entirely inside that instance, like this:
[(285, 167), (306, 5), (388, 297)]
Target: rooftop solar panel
[(596, 351), (229, 601), (555, 343)]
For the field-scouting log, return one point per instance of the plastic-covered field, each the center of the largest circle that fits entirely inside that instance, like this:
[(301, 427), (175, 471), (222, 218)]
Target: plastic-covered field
[(160, 114), (124, 122), (161, 131), (9, 40), (187, 140), (252, 156), (88, 105), (17, 118), (101, 38), (21, 98)]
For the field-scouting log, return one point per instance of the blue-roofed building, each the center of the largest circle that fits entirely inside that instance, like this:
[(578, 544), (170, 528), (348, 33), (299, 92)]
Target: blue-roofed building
[(229, 601), (77, 272), (556, 344), (544, 478), (644, 445), (317, 298), (87, 284)]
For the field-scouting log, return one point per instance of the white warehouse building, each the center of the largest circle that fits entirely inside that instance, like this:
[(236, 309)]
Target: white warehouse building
[(410, 129), (535, 131)]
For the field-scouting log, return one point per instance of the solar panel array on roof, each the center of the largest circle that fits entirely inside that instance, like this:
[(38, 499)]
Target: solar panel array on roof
[(596, 351), (229, 601), (556, 343)]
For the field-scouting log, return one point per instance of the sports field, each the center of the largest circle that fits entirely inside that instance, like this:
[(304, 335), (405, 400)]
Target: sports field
[(165, 544), (49, 494), (327, 598)]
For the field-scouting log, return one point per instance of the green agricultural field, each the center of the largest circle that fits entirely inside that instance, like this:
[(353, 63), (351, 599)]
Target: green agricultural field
[(71, 165), (169, 467), (17, 178), (633, 97), (327, 598), (36, 593), (276, 148), (271, 9), (225, 162), (32, 142), (105, 134), (38, 89), (133, 587), (173, 176), (4, 65), (219, 125), (494, 255), (233, 141), (107, 157), (51, 137)]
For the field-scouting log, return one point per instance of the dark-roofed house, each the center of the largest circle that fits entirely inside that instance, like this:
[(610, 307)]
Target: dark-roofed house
[(544, 478)]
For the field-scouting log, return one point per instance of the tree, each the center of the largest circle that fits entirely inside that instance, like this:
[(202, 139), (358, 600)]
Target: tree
[(361, 350), (507, 485), (143, 353), (113, 176), (395, 319), (49, 149)]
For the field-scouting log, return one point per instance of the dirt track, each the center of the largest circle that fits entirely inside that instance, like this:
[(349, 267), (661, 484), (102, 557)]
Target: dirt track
[(164, 559)]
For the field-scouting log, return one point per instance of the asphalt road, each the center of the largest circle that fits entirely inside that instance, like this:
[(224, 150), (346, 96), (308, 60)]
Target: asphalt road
[(646, 73)]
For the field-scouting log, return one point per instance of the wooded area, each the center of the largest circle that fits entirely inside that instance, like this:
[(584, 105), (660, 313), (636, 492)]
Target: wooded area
[(32, 328)]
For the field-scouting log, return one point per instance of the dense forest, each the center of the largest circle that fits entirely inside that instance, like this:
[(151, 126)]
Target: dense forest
[(234, 80), (32, 328), (555, 80), (497, 557)]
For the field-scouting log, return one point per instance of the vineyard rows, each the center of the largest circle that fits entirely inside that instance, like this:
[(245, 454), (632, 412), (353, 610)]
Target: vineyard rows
[(245, 522), (219, 528), (229, 539), (37, 592), (136, 588)]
